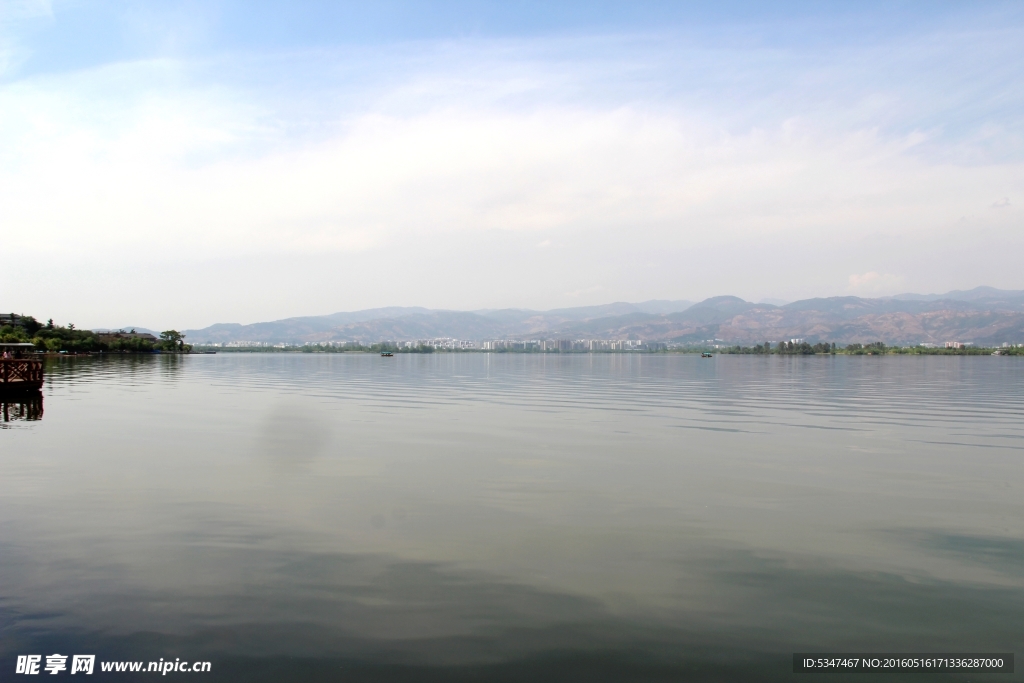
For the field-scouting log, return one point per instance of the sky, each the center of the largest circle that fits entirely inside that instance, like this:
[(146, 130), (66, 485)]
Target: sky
[(178, 163)]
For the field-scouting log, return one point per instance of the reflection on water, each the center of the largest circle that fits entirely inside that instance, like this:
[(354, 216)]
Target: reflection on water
[(483, 517), (20, 407)]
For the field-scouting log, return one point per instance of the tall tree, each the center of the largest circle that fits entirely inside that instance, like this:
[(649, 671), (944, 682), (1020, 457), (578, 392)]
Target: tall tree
[(172, 340)]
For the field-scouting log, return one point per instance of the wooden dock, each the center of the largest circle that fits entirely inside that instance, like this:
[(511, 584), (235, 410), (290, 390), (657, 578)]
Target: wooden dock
[(20, 373)]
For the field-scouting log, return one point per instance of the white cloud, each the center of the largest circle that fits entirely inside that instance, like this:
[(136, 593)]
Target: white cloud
[(186, 170), (470, 176), (874, 284), (13, 15)]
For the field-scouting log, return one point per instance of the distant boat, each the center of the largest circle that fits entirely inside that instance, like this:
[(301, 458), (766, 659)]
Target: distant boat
[(386, 354), (705, 354)]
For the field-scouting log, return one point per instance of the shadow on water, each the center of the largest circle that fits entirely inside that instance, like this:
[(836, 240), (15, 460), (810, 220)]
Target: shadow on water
[(21, 407), (292, 436), (326, 617), (998, 554)]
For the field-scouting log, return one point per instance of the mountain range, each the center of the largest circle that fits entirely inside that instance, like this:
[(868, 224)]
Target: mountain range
[(984, 315)]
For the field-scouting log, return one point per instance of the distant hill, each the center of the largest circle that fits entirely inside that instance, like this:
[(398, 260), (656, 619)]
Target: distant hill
[(306, 328), (398, 323), (841, 320), (976, 294), (127, 328), (983, 315)]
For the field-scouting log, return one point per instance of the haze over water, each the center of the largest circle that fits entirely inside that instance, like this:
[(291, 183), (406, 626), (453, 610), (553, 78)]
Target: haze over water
[(514, 517)]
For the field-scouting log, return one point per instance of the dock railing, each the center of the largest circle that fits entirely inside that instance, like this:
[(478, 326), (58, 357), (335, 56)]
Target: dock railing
[(20, 373)]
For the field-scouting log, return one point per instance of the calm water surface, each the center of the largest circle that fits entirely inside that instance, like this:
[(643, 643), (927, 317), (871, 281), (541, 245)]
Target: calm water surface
[(513, 517)]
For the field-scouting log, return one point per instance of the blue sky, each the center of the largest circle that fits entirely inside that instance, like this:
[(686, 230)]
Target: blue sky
[(278, 159)]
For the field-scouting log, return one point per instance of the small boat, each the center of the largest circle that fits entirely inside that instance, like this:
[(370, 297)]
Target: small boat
[(705, 354), (386, 354)]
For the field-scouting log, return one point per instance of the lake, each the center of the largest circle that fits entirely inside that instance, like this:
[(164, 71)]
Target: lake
[(298, 517)]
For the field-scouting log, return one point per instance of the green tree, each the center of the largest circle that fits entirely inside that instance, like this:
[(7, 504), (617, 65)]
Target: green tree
[(172, 340), (30, 324)]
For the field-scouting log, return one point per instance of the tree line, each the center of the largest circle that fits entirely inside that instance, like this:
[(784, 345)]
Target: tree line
[(783, 349), (873, 349), (25, 329)]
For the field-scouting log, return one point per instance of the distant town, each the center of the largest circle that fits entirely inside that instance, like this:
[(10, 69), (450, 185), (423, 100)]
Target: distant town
[(450, 344), (794, 346)]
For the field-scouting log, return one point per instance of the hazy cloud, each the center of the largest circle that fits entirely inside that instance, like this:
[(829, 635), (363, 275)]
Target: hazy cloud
[(586, 291), (872, 283)]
